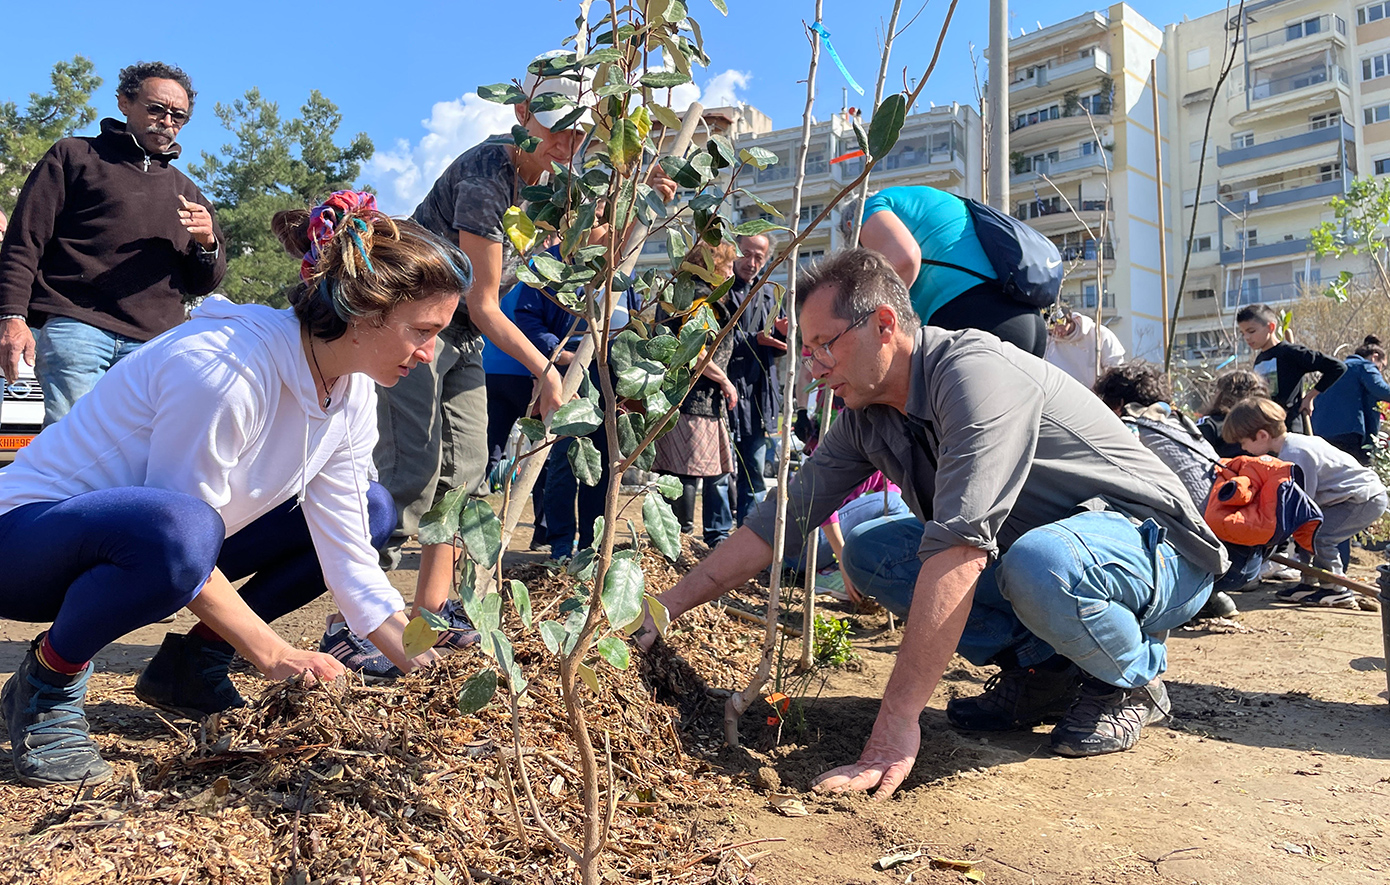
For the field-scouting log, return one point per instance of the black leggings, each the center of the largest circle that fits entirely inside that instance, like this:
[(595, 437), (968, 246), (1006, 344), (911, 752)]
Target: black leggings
[(986, 308)]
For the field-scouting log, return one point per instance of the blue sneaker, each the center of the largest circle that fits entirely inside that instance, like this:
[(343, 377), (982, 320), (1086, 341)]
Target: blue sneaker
[(357, 653), (50, 741), (460, 634)]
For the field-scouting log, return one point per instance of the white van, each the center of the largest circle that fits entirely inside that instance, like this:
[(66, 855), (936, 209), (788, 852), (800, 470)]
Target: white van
[(21, 413)]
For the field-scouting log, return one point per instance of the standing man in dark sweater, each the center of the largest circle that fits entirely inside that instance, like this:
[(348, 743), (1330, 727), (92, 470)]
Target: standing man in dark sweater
[(107, 241), (1283, 364), (753, 371)]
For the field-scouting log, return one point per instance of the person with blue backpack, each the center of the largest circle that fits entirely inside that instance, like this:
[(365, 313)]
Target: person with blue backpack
[(966, 266)]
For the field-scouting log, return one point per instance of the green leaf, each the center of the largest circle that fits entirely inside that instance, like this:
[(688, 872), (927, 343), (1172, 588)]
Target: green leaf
[(519, 229), (501, 93), (625, 144), (622, 592), (763, 204), (692, 341), (486, 615), (590, 678), (614, 651), (675, 12), (574, 625), (647, 457), (578, 417), (477, 691), (721, 6), (755, 226), (481, 532), (521, 598), (721, 151), (441, 522), (582, 565), (661, 348), (664, 79), (669, 486), (625, 350), (548, 267), (550, 101), (887, 124), (531, 428), (585, 461), (553, 635), (676, 247), (509, 665), (640, 380), (523, 139), (568, 120), (759, 157), (662, 526), (860, 135), (665, 116), (631, 427)]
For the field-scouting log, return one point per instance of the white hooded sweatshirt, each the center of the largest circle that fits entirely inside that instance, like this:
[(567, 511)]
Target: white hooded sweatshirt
[(1076, 353), (224, 408)]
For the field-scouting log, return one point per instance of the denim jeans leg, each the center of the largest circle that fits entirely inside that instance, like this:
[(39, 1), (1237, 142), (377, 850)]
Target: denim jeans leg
[(69, 358), (1341, 522), (749, 453), (561, 489), (718, 516), (1103, 592)]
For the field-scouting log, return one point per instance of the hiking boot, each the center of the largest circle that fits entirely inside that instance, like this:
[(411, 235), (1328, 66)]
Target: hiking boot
[(1107, 719), (1331, 597), (50, 741), (188, 677), (460, 634), (357, 653), (1218, 606), (1021, 697), (1297, 593)]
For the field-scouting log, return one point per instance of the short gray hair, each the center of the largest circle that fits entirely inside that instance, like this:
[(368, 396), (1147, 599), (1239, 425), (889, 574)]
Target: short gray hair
[(863, 282)]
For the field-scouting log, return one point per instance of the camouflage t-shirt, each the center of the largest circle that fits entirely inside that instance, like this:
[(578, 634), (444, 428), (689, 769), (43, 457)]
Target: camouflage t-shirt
[(471, 196)]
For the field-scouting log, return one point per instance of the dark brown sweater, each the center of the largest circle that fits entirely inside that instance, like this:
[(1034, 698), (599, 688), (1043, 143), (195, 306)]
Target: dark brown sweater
[(96, 237)]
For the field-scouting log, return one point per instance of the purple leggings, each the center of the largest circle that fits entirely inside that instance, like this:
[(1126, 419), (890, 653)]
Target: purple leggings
[(102, 564)]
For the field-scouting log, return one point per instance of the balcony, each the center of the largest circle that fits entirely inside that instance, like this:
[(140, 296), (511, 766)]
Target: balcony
[(1058, 163), (1322, 27), (1277, 249), (1256, 294), (1060, 76), (1320, 75), (1315, 187), (1285, 141)]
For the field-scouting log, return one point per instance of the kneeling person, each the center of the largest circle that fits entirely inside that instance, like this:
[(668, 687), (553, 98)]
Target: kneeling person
[(1045, 539), (238, 444)]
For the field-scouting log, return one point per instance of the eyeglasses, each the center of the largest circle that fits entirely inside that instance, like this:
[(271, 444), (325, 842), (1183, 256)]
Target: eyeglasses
[(159, 112), (823, 355)]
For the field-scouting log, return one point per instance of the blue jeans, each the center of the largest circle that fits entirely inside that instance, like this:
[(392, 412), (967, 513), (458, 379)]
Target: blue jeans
[(104, 563), (70, 357), (1093, 587), (750, 452), (854, 514), (564, 492), (718, 516)]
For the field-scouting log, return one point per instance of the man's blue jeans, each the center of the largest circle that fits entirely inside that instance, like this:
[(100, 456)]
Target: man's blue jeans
[(750, 452), (70, 357), (874, 505), (1093, 587)]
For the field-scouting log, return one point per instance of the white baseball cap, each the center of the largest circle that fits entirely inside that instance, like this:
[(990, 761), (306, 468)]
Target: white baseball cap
[(564, 85)]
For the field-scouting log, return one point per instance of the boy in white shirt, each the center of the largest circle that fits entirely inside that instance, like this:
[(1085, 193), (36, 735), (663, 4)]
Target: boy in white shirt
[(1351, 497)]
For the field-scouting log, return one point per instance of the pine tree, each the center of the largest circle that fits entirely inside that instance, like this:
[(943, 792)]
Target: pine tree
[(25, 136)]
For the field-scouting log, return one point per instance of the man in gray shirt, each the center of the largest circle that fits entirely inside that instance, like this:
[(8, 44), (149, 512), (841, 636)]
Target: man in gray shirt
[(1050, 542)]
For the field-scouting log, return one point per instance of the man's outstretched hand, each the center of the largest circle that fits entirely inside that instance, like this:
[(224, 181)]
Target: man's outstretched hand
[(887, 759)]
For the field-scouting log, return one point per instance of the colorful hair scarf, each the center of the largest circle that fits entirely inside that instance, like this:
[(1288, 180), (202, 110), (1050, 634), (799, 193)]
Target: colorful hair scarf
[(323, 222)]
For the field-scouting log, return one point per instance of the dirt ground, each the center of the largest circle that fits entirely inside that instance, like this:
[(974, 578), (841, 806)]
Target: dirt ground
[(1274, 770)]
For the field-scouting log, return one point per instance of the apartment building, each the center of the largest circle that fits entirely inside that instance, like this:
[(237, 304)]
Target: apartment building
[(1304, 110), (1082, 166)]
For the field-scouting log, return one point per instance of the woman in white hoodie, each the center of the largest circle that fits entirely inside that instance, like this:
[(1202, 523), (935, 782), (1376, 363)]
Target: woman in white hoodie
[(238, 444)]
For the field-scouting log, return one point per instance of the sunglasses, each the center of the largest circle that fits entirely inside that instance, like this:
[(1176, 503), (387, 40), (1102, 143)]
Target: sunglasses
[(159, 112)]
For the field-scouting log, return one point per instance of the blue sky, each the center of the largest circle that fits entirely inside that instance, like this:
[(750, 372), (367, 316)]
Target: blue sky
[(404, 71)]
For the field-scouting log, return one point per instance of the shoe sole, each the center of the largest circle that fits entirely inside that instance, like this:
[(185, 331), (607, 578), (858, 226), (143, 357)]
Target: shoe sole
[(185, 712), (93, 780), (1155, 717)]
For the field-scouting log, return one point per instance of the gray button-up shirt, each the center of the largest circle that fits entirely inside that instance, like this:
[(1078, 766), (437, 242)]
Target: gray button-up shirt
[(995, 442)]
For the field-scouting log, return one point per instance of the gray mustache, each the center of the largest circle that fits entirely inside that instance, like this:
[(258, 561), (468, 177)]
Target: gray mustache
[(156, 129)]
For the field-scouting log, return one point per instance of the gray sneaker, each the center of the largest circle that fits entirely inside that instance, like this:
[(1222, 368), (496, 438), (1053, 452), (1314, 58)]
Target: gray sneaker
[(50, 741), (1108, 719)]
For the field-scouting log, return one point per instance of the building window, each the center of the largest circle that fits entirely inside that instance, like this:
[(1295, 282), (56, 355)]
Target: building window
[(1310, 279), (1198, 58), (1324, 121), (1248, 237), (1375, 67), (1199, 294), (1372, 13), (1089, 148), (1242, 140), (1305, 28), (1201, 244), (1382, 165), (1329, 172), (1377, 113)]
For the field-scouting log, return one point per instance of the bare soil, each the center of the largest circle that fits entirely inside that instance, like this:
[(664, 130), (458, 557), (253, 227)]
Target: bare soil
[(1273, 771)]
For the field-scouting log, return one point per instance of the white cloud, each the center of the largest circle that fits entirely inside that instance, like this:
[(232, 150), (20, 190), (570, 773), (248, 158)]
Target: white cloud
[(402, 176)]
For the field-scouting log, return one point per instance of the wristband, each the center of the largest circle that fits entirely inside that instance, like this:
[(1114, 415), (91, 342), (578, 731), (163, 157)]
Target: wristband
[(13, 316)]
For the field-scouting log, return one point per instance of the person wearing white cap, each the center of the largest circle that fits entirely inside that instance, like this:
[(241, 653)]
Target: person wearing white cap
[(433, 424)]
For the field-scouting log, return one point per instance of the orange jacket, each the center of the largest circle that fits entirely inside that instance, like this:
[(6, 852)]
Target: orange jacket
[(1257, 501)]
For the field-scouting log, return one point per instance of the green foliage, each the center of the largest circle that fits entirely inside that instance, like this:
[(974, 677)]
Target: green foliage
[(27, 134), (481, 532), (832, 646), (622, 592), (585, 461), (662, 526), (273, 164), (887, 124), (477, 691), (1359, 229)]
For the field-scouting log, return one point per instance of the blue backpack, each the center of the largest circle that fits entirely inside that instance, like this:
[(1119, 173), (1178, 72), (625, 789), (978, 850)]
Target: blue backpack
[(1027, 265)]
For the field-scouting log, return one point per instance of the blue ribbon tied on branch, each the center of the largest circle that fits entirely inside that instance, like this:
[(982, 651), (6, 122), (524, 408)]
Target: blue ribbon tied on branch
[(835, 56)]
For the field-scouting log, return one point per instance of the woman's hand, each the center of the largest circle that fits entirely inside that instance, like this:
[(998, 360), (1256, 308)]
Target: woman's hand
[(294, 661), (549, 392), (730, 393)]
